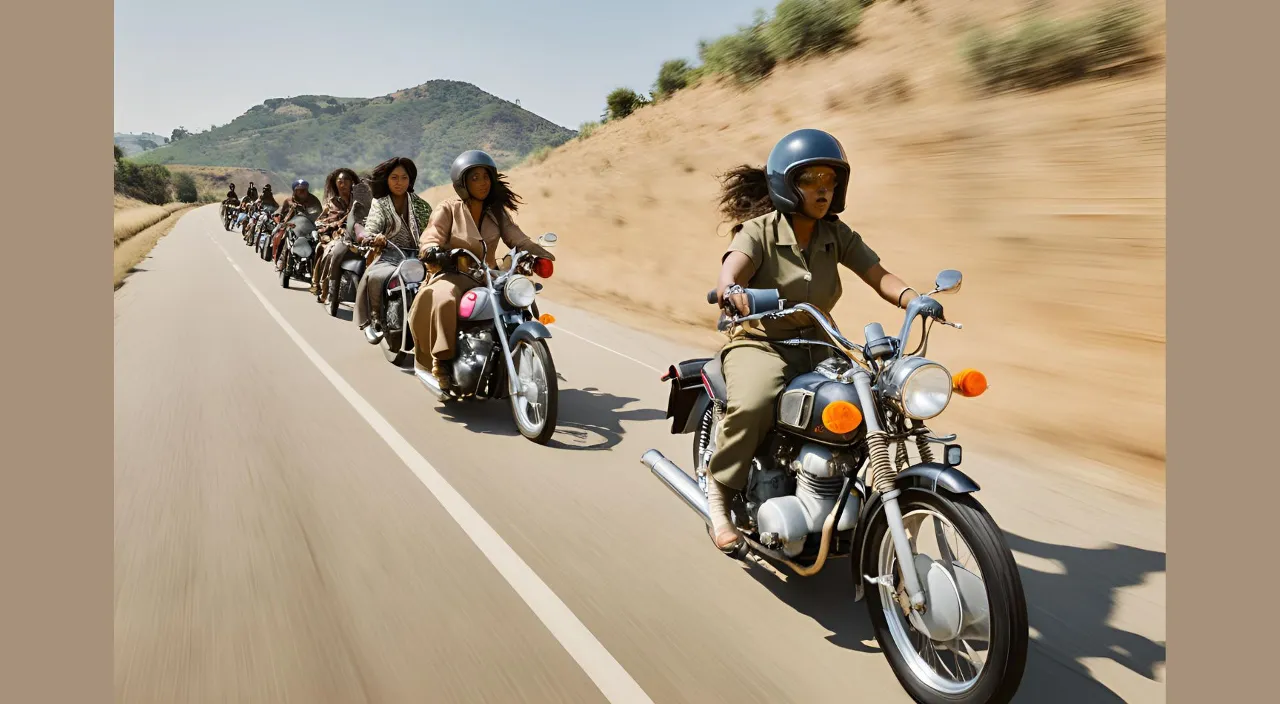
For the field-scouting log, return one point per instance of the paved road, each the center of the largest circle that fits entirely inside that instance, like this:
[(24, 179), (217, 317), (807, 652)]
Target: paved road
[(296, 521)]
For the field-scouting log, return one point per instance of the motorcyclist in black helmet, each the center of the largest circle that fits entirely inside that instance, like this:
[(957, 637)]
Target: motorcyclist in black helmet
[(481, 215), (789, 238)]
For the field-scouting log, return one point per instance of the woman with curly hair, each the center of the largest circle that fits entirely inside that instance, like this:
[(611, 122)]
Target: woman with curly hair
[(397, 216), (337, 203)]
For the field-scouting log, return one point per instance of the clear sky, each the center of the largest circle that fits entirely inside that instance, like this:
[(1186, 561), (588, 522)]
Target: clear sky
[(203, 63)]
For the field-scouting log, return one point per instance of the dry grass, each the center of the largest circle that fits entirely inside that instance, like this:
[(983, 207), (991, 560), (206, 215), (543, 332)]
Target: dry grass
[(129, 222), (1052, 204), (133, 250), (123, 202)]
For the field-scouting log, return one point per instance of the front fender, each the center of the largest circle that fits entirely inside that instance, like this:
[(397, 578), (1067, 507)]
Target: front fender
[(529, 331), (932, 476)]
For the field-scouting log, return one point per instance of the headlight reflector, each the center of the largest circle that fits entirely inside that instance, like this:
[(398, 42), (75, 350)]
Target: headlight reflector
[(520, 291)]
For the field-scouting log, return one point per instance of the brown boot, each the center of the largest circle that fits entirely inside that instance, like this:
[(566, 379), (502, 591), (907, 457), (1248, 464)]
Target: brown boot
[(441, 373), (723, 533)]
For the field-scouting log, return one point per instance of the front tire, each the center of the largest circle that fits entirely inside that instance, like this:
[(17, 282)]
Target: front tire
[(535, 369), (335, 295), (284, 274), (932, 672), (393, 328)]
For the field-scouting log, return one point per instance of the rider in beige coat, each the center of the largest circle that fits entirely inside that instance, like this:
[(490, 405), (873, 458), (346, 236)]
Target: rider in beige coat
[(484, 198)]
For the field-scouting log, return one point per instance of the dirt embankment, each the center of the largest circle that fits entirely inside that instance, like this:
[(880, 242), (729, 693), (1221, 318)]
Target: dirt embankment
[(1051, 203)]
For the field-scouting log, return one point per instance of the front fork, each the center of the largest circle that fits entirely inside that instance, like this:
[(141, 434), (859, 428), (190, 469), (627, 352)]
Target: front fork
[(883, 477)]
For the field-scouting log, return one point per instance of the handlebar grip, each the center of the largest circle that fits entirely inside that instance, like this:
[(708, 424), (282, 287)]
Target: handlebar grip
[(711, 296)]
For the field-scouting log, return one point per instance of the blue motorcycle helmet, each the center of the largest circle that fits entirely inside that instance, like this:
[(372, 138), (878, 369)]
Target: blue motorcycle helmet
[(794, 152), (301, 183)]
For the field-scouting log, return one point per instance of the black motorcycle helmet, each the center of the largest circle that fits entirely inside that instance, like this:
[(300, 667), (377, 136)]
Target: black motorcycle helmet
[(464, 163), (807, 147)]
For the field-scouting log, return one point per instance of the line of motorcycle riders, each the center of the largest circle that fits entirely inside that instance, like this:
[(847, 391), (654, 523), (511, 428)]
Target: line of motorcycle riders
[(425, 282), (801, 438)]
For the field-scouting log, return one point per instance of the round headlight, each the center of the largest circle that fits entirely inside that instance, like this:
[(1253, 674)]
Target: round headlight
[(926, 391), (520, 291), (412, 271)]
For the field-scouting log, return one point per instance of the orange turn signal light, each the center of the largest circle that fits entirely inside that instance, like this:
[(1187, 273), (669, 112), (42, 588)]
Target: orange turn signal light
[(969, 383), (546, 318), (841, 417)]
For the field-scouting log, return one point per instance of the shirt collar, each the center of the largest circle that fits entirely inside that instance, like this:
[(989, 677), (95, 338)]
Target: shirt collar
[(787, 236)]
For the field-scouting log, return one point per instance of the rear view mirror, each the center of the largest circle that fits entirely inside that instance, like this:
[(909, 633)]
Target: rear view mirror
[(948, 281), (548, 240)]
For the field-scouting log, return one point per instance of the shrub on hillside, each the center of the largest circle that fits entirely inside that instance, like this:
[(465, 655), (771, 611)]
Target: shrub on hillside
[(803, 27), (1042, 53), (147, 182), (743, 55), (184, 187), (538, 155), (622, 102), (673, 76), (586, 129)]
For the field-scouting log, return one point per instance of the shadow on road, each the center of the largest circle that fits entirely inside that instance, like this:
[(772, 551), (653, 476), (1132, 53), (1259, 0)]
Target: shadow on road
[(1070, 611), (826, 597), (589, 419)]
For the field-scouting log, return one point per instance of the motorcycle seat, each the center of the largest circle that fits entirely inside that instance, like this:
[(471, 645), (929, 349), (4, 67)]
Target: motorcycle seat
[(355, 265), (713, 372)]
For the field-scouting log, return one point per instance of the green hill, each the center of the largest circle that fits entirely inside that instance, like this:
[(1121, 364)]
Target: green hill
[(311, 135)]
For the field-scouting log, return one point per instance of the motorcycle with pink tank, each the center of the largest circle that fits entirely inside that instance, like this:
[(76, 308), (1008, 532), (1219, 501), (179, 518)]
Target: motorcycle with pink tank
[(834, 479), (501, 348)]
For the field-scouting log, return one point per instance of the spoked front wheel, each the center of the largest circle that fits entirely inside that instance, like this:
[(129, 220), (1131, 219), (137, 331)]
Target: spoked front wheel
[(970, 645), (534, 408)]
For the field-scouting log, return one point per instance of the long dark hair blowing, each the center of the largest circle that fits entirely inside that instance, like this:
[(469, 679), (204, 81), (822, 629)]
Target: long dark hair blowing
[(381, 172), (744, 194), (331, 183), (501, 197)]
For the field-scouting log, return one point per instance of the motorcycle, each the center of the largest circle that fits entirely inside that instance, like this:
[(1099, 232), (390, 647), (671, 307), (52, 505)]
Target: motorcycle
[(265, 235), (501, 341), (297, 249), (343, 288), (825, 484), (261, 221), (228, 214)]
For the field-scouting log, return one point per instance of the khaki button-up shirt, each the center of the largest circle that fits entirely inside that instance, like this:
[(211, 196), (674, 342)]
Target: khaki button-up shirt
[(801, 277), (452, 227)]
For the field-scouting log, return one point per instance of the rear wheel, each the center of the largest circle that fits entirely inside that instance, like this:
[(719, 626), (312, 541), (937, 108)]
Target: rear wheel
[(977, 610), (534, 409)]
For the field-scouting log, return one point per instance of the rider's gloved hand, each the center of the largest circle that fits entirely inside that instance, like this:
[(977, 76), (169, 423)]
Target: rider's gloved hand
[(435, 257)]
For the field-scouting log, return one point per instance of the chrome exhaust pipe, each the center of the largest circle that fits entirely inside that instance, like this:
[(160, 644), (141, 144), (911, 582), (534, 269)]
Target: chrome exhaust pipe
[(428, 381), (678, 482)]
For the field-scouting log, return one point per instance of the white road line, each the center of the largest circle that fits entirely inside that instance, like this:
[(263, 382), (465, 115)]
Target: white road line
[(606, 349), (613, 681)]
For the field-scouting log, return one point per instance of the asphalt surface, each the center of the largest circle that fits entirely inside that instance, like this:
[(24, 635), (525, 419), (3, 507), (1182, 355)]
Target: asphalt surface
[(298, 521)]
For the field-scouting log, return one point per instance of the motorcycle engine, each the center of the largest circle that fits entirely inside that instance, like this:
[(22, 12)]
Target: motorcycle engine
[(786, 520), (475, 347)]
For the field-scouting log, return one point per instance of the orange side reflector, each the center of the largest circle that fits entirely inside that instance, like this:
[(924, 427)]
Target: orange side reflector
[(841, 417), (969, 383), (546, 319)]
